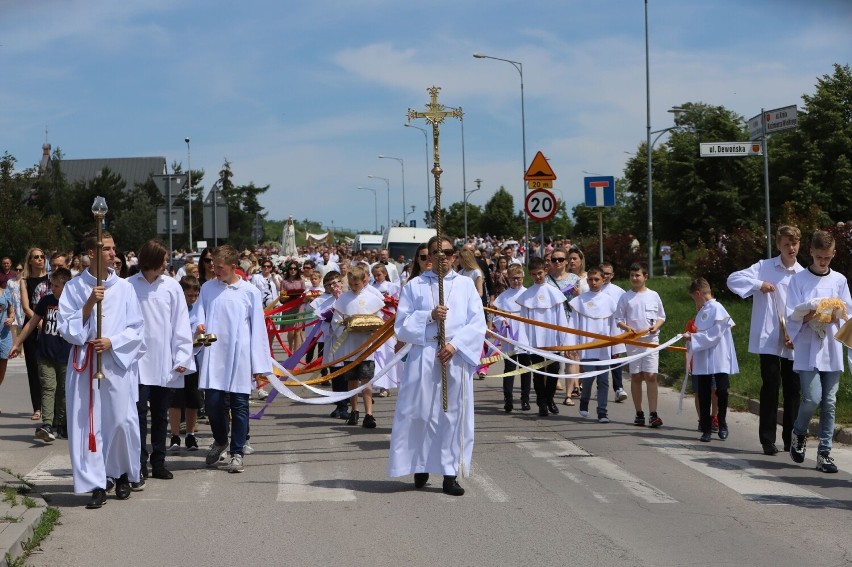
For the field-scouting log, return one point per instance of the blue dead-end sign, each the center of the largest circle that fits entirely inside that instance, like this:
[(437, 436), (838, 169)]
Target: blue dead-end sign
[(600, 191)]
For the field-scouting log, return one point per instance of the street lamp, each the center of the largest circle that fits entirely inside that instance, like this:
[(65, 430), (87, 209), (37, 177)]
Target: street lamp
[(387, 182), (375, 205), (426, 144), (402, 164), (520, 68), (466, 193), (189, 186), (676, 112)]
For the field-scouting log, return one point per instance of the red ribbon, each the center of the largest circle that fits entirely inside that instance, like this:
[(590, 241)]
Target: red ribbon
[(92, 442)]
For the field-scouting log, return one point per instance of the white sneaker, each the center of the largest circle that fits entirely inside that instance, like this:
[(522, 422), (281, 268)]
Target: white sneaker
[(262, 394), (584, 413), (236, 464), (603, 419), (247, 449), (620, 395)]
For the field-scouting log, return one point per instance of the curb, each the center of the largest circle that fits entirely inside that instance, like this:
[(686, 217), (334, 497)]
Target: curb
[(841, 434), (15, 534)]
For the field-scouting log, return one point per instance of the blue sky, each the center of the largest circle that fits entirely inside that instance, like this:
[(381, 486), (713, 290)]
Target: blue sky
[(303, 96)]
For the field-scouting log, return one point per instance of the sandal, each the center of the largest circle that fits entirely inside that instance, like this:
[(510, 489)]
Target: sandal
[(575, 393), (36, 415), (568, 402)]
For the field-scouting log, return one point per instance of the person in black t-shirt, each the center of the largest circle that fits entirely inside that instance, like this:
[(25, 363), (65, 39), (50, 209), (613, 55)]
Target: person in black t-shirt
[(52, 358)]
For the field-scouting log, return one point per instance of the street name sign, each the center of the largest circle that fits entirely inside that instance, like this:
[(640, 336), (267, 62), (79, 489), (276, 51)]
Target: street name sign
[(731, 149)]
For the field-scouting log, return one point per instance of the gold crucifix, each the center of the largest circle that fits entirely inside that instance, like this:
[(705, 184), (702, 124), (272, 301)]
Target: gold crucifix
[(435, 115)]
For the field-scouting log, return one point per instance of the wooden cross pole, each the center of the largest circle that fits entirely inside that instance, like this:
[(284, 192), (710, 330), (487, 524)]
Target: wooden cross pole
[(435, 114)]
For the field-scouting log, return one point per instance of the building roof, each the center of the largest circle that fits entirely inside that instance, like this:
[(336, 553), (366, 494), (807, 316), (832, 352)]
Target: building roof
[(132, 169)]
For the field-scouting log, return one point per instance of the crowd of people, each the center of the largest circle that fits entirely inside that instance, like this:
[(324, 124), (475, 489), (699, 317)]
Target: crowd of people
[(176, 347)]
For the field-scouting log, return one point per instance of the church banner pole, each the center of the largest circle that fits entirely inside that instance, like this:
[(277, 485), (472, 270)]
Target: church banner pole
[(435, 114)]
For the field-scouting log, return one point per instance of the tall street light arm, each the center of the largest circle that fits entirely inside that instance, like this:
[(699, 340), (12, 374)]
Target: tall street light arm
[(520, 68), (426, 143), (375, 205), (387, 183), (402, 165), (676, 111)]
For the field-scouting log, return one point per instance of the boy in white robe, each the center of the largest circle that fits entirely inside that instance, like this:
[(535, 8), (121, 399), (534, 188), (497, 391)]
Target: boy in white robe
[(543, 302), (817, 359), (641, 309), (322, 307), (768, 282), (516, 330), (425, 438), (593, 311), (103, 427), (711, 351), (615, 292), (168, 356), (361, 299), (232, 309)]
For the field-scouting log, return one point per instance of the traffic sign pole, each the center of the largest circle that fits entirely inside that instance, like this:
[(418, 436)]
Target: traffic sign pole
[(766, 183)]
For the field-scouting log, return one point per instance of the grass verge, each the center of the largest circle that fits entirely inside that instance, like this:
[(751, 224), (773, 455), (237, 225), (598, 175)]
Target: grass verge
[(49, 520)]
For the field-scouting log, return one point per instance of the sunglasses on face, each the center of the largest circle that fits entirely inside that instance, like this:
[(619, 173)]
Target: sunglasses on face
[(559, 260), (206, 260), (446, 251), (37, 257), (267, 265), (423, 257)]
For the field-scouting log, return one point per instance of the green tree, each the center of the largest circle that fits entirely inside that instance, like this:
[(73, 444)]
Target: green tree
[(499, 218), (453, 219), (197, 178)]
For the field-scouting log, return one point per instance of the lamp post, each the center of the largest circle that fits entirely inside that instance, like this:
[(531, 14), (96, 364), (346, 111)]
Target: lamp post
[(189, 187), (387, 182), (676, 112), (466, 193), (464, 171), (426, 143), (402, 165), (375, 205), (520, 68)]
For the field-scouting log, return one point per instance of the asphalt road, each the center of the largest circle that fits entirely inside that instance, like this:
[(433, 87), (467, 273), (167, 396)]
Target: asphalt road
[(554, 491)]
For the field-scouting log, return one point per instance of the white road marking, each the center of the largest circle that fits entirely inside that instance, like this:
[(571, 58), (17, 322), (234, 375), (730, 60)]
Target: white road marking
[(293, 486), (633, 484), (485, 483), (737, 474), (54, 469), (548, 448), (562, 466)]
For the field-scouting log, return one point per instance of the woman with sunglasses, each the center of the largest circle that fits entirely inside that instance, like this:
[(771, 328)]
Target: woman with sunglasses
[(421, 263), (293, 286), (205, 266), (34, 273)]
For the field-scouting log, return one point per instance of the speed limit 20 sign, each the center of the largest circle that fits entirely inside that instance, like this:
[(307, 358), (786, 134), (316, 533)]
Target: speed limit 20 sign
[(540, 205)]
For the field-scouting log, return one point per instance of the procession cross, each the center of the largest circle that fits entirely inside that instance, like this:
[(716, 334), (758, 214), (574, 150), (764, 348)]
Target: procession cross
[(435, 114)]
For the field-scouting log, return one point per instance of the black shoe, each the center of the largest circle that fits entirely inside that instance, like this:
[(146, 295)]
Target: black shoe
[(508, 407), (705, 437), (525, 406), (639, 420), (138, 486), (144, 471), (770, 449), (451, 486), (825, 463), (420, 479), (797, 449), (353, 418), (369, 422), (162, 473), (191, 442), (542, 411), (344, 414), (552, 408), (98, 499), (122, 487), (723, 432), (335, 413), (110, 484)]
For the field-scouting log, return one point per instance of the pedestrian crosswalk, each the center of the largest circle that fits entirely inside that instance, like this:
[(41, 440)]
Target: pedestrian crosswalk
[(602, 478)]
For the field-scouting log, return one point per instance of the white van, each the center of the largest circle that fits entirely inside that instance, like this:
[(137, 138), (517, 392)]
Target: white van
[(368, 241), (403, 241)]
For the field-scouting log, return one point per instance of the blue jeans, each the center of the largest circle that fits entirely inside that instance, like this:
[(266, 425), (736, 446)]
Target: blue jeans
[(217, 413), (819, 389), (603, 388)]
